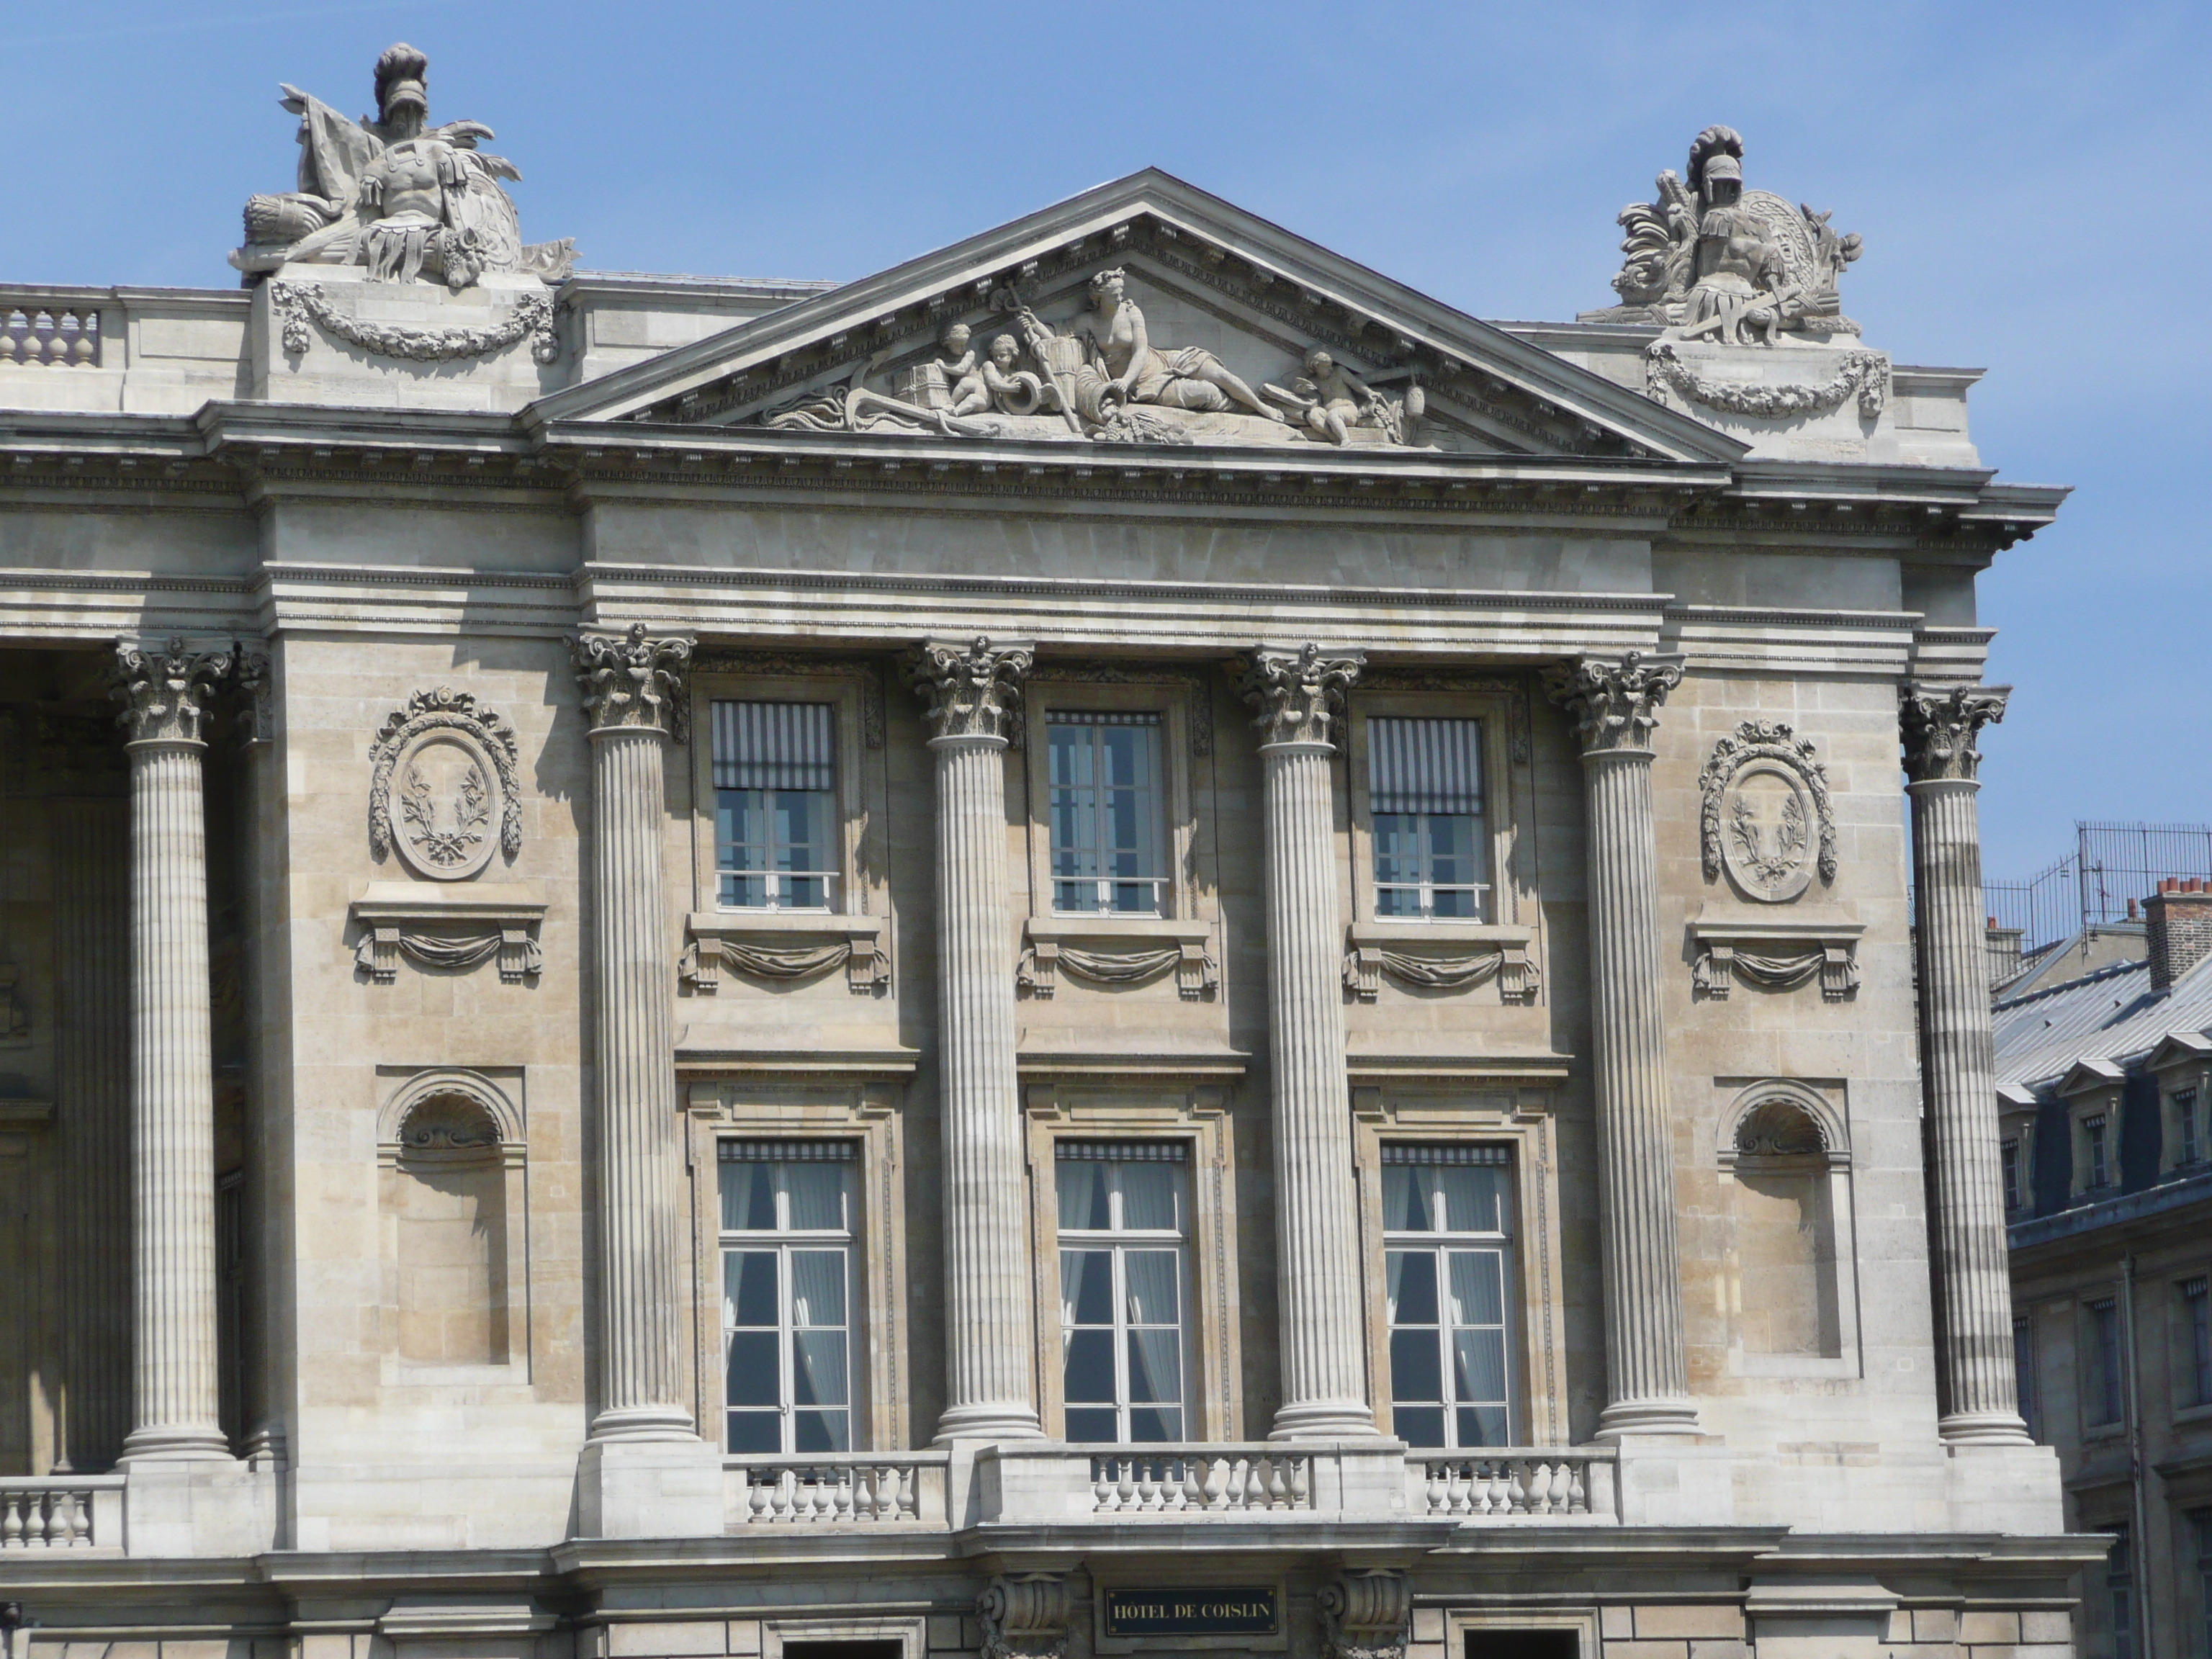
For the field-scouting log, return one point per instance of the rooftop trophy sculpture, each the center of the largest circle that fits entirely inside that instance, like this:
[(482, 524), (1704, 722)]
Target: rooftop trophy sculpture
[(1101, 376), (1713, 260), (411, 202)]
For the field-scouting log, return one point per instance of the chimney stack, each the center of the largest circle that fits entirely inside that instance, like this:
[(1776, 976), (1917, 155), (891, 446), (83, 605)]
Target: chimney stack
[(2177, 920)]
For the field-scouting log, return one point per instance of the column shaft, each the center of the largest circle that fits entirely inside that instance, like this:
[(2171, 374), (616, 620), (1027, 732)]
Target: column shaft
[(175, 1412), (1316, 1216), (633, 692), (991, 1343), (1301, 698), (1958, 1064), (1616, 705), (973, 694)]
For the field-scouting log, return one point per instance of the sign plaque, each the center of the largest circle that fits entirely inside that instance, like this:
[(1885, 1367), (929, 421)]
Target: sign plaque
[(1183, 1610)]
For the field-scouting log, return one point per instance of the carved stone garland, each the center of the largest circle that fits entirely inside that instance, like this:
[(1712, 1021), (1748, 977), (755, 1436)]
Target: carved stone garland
[(299, 303), (444, 835), (1197, 975), (1767, 861), (1866, 373)]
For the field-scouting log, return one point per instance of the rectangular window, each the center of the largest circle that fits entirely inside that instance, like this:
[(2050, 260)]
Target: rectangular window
[(775, 817), (2187, 1149), (2023, 1369), (1425, 796), (2092, 1141), (2119, 1587), (2009, 1152), (1104, 811), (787, 1238), (2103, 1392), (2196, 1350), (1448, 1261), (1124, 1284)]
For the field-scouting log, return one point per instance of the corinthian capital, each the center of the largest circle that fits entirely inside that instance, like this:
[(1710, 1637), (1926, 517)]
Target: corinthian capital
[(1300, 695), (634, 681), (974, 692), (165, 694), (1615, 704), (1940, 724)]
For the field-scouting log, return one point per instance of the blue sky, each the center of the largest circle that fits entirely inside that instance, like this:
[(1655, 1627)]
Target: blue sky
[(2031, 181)]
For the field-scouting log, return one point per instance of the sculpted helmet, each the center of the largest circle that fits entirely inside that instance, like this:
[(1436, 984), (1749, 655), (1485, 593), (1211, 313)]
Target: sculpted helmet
[(1717, 153), (402, 76)]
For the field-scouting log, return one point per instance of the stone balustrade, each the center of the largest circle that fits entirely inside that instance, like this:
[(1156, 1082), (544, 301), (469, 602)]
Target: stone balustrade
[(835, 1488), (1515, 1484), (54, 337), (1200, 1480), (62, 1513)]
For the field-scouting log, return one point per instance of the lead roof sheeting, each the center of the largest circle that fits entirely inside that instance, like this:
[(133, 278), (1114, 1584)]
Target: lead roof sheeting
[(775, 746), (1423, 765), (1492, 1155), (788, 1152), (1121, 1152)]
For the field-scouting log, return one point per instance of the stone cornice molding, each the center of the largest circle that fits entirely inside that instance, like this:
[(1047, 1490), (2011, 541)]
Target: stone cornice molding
[(974, 691), (1300, 695), (634, 681), (1616, 705), (166, 693), (1940, 724)]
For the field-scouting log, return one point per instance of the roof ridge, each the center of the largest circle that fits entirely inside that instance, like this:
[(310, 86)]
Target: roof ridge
[(2110, 970)]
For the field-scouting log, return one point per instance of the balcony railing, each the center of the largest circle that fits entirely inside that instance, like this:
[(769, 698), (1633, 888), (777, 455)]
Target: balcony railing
[(1199, 1480), (62, 1513), (835, 1489), (1043, 1483), (1516, 1484)]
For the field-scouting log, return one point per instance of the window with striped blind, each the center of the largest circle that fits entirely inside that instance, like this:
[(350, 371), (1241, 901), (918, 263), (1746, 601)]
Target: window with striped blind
[(1424, 801), (775, 767), (1104, 813)]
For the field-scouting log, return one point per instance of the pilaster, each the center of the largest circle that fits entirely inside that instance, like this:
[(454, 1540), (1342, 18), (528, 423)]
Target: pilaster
[(1300, 698), (1958, 1064), (1615, 706), (972, 698)]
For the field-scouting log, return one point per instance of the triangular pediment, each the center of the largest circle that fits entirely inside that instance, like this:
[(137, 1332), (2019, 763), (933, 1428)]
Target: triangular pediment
[(1230, 306)]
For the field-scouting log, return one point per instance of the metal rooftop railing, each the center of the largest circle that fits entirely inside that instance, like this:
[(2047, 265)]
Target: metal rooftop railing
[(2111, 866)]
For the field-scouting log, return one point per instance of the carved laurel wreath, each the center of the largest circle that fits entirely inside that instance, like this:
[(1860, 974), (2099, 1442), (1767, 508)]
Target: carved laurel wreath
[(451, 710), (298, 302), (1765, 740), (1866, 373)]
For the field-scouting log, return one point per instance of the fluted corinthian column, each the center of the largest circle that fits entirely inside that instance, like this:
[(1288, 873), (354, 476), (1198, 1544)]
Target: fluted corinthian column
[(174, 1413), (1958, 1064), (1615, 706), (1300, 698), (972, 698), (972, 695), (633, 694)]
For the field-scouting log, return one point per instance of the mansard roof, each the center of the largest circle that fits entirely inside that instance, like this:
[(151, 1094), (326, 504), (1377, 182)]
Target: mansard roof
[(1261, 284)]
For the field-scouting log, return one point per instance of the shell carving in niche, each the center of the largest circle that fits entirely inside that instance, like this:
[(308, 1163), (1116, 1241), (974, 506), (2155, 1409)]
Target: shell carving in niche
[(443, 790)]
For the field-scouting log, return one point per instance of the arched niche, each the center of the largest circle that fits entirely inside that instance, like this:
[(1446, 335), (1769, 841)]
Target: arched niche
[(1784, 1153), (453, 1206)]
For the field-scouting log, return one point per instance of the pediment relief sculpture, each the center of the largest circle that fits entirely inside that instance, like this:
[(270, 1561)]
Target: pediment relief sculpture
[(443, 791), (1768, 819), (408, 201), (1102, 374)]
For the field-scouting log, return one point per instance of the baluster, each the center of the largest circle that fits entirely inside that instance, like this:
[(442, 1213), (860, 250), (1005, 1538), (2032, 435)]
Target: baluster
[(1102, 1488), (11, 1522), (1190, 1493), (885, 1488), (1436, 1492), (1462, 1488), (1217, 1483), (1152, 1489), (1279, 1490), (80, 1520), (1577, 1494), (1125, 1486), (1517, 1494), (846, 1478), (37, 1511), (753, 1495)]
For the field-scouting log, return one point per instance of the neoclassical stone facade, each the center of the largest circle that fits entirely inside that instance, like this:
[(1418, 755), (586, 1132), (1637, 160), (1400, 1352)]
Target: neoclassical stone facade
[(1120, 942)]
